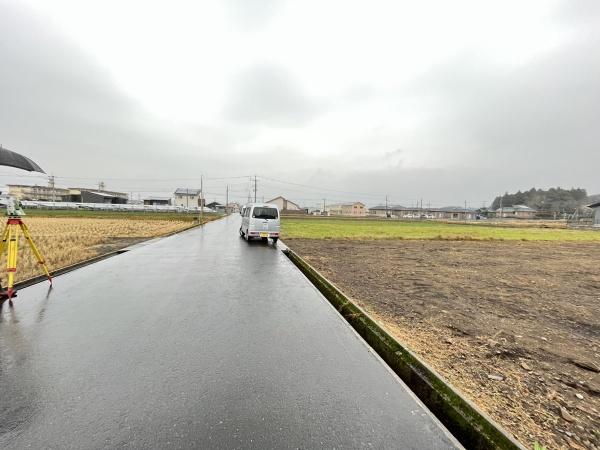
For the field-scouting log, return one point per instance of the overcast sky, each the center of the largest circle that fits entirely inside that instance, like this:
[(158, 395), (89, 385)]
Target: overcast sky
[(445, 101)]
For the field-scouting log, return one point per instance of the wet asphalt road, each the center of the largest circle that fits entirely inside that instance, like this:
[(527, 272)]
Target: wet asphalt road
[(198, 340)]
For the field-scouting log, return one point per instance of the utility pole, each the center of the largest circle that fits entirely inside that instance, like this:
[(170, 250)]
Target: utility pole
[(501, 210), (227, 199), (101, 186), (324, 201), (387, 214), (201, 199), (255, 188), (421, 214), (51, 185), (465, 210)]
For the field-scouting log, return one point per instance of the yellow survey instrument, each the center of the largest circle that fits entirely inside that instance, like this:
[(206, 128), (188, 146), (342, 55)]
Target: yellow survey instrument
[(10, 241)]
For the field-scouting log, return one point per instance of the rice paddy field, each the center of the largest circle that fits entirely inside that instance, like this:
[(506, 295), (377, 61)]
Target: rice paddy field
[(332, 228), (67, 239)]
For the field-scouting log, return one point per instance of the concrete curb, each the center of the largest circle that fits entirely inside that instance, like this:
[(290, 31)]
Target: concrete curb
[(472, 427)]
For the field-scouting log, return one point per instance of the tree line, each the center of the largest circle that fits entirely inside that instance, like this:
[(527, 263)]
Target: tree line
[(554, 199)]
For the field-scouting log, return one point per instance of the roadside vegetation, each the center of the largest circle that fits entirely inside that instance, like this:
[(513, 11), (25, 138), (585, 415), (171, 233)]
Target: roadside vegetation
[(65, 238), (332, 228)]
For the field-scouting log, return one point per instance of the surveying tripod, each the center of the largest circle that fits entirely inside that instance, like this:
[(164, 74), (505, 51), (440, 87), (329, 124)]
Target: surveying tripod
[(10, 240)]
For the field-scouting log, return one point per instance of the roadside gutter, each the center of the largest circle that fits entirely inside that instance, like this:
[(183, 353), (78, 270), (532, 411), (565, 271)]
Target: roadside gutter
[(471, 426)]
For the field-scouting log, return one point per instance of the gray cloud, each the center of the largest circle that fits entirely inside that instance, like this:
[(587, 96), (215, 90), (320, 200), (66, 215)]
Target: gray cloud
[(268, 95), (252, 15), (63, 110), (509, 129), (534, 125), (545, 111), (496, 128)]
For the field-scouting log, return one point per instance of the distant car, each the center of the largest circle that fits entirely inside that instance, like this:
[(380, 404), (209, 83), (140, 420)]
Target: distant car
[(261, 220)]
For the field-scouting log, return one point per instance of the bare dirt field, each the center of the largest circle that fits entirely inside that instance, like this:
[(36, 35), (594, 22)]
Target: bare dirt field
[(515, 326)]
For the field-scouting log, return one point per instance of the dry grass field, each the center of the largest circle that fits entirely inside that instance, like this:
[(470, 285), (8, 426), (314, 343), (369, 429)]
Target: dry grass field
[(65, 241)]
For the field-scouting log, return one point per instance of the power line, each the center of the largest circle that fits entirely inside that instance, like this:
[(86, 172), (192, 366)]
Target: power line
[(251, 185), (319, 188), (122, 179)]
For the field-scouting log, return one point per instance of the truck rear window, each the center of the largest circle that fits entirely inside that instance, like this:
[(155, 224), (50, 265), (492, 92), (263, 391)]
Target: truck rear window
[(264, 213)]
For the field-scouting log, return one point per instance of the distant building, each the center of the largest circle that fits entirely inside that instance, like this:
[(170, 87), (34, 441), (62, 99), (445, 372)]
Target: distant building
[(404, 212), (188, 198), (356, 209), (286, 206), (454, 213), (596, 208), (233, 207), (216, 206), (38, 193), (86, 195), (55, 194), (157, 201), (516, 212)]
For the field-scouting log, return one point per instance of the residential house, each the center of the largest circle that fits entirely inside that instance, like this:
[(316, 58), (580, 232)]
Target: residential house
[(286, 206), (387, 211), (233, 207), (596, 208), (216, 206), (454, 213), (516, 212), (188, 198), (356, 209), (404, 212)]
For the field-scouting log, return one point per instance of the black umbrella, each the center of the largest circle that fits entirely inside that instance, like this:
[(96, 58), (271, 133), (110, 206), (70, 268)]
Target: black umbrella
[(12, 159)]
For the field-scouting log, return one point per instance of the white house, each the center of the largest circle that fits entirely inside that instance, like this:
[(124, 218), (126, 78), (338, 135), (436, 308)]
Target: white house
[(188, 198)]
